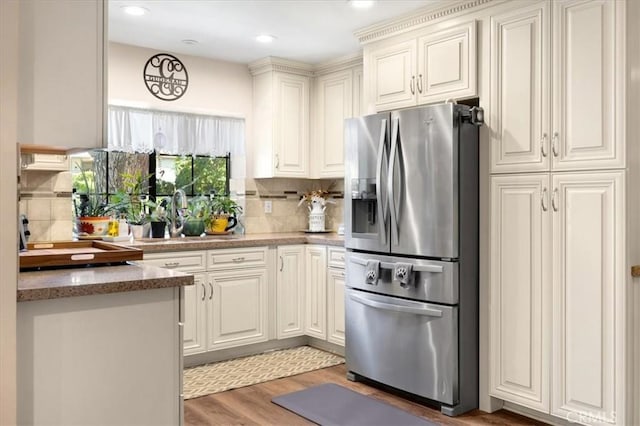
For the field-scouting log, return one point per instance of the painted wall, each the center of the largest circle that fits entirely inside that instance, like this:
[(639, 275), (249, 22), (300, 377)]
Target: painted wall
[(8, 199), (215, 87)]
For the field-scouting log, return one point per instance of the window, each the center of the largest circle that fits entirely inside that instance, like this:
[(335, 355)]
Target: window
[(102, 173)]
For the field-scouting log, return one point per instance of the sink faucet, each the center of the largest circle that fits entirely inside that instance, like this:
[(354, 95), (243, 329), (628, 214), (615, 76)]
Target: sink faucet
[(175, 231)]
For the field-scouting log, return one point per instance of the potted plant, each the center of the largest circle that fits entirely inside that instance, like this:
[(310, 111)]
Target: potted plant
[(132, 203), (221, 217), (159, 220), (194, 219)]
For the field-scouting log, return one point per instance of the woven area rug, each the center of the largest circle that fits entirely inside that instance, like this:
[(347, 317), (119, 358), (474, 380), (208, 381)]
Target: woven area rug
[(236, 373)]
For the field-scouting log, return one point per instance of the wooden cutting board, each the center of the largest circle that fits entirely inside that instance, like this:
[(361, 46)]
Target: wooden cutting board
[(75, 253)]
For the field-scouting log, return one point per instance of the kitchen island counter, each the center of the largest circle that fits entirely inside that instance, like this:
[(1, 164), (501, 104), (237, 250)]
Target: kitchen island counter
[(53, 284), (150, 245)]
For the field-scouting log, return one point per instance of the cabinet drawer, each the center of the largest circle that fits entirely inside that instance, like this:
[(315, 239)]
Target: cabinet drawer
[(184, 261), (237, 258), (336, 257)]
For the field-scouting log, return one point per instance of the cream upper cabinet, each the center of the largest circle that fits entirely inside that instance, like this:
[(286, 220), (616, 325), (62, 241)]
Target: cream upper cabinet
[(588, 77), (281, 119), (562, 111), (315, 324), (520, 313), (520, 94), (334, 103), (290, 291), (447, 64), (392, 75), (432, 67), (61, 77), (589, 295)]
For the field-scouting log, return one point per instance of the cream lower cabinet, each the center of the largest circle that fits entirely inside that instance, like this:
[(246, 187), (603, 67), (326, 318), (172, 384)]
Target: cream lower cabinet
[(239, 308), (557, 294), (290, 279), (195, 296), (315, 323), (324, 316), (335, 295), (228, 305)]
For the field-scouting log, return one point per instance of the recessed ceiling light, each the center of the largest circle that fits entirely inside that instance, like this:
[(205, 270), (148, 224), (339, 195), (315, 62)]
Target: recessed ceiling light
[(135, 10), (265, 38), (361, 4), (190, 41)]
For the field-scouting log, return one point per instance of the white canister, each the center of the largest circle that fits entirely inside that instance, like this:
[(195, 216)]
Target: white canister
[(316, 222)]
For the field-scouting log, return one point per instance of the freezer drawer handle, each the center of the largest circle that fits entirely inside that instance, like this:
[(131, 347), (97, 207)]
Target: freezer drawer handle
[(397, 308), (416, 268)]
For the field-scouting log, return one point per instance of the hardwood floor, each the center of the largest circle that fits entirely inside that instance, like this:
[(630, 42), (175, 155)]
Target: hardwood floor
[(252, 405)]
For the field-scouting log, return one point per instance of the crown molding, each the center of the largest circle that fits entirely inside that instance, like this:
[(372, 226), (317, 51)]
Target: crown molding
[(271, 63), (416, 19), (338, 64)]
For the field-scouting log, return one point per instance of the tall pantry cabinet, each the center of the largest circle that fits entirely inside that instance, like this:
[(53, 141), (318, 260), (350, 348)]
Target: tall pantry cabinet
[(558, 255)]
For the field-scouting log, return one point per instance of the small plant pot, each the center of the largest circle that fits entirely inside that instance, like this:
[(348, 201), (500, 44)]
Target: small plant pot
[(221, 224), (193, 228), (140, 231), (158, 229), (93, 226)]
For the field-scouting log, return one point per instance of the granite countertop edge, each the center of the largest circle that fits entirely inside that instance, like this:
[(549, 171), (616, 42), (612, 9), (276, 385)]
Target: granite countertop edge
[(249, 240), (59, 283)]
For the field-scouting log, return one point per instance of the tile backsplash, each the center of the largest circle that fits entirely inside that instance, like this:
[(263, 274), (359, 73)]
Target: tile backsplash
[(284, 194), (46, 201), (45, 198)]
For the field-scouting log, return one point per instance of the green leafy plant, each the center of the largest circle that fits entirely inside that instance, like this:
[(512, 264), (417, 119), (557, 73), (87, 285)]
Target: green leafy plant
[(221, 206), (131, 200)]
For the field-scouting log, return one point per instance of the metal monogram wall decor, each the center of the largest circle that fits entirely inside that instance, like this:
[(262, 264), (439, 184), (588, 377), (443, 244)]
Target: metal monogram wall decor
[(166, 77)]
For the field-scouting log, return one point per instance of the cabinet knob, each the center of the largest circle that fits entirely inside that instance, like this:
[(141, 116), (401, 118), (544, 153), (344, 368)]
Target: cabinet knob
[(204, 291), (420, 83), (238, 259), (553, 200), (281, 263), (171, 264), (211, 288), (543, 145), (412, 84), (543, 197), (277, 161)]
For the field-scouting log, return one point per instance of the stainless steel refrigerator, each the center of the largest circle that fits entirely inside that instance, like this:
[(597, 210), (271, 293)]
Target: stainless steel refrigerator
[(411, 233)]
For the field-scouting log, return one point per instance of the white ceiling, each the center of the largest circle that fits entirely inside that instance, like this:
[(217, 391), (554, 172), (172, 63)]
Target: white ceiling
[(310, 31)]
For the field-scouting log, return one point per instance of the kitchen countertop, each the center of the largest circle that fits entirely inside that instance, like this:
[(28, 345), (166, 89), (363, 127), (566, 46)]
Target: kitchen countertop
[(53, 284), (151, 245)]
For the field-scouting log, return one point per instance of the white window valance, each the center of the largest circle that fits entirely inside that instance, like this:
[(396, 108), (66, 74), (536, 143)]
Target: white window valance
[(143, 130)]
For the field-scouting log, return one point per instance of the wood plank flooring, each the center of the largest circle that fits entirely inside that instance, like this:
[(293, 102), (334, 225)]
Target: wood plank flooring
[(252, 405)]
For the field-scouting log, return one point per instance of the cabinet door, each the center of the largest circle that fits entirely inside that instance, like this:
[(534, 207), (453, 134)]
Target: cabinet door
[(520, 274), (335, 306), (589, 296), (334, 103), (315, 323), (195, 321), (61, 73), (290, 291), (291, 127), (588, 96), (392, 76), (237, 312), (520, 90), (447, 64)]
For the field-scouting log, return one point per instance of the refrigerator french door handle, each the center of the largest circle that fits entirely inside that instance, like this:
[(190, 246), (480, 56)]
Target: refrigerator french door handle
[(396, 308), (383, 205), (416, 268), (391, 182)]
